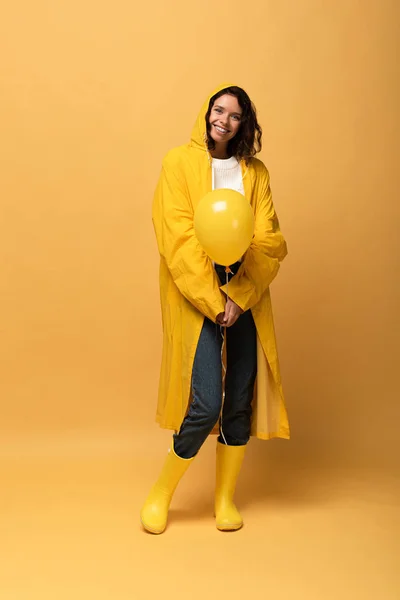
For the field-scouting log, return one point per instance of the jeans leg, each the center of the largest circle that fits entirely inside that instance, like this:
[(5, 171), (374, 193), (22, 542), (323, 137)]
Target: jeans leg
[(239, 384), (205, 407)]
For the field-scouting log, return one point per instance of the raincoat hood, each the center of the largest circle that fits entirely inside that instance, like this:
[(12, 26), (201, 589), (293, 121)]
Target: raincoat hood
[(198, 137)]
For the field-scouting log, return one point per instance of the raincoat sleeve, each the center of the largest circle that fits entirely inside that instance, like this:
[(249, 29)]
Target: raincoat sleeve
[(267, 249), (190, 267)]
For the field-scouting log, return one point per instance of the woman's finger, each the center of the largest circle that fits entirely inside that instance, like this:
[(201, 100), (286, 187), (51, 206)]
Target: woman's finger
[(228, 313), (231, 319), (234, 314)]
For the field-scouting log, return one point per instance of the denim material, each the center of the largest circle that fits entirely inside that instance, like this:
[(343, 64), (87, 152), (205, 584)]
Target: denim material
[(205, 408)]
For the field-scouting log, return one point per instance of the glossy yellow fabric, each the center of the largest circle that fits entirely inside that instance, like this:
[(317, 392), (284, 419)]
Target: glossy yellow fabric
[(190, 289)]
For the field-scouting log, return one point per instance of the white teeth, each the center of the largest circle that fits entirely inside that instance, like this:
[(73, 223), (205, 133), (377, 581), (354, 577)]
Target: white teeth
[(220, 129)]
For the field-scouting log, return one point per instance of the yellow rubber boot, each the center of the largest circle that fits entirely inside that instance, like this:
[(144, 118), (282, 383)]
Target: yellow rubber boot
[(154, 514), (229, 462)]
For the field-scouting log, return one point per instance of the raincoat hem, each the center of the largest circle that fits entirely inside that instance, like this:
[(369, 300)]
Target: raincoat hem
[(283, 434)]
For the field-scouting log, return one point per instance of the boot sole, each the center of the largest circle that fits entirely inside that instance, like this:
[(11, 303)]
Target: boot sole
[(150, 530), (229, 527)]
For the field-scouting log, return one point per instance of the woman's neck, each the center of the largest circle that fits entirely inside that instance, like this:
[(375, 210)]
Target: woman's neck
[(220, 151)]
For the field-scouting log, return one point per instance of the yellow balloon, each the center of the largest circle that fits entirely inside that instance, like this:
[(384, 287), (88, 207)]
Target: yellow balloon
[(224, 225)]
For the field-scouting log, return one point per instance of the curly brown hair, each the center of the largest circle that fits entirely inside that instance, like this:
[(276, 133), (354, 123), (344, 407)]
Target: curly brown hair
[(247, 142)]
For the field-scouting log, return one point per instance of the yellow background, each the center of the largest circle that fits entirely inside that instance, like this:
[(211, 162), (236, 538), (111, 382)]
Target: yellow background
[(92, 95)]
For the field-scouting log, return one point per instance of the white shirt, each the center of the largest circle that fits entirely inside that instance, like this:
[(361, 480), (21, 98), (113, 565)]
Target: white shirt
[(227, 173)]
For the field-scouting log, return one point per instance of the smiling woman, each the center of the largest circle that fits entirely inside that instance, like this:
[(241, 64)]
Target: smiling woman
[(196, 307), (225, 123), (232, 126)]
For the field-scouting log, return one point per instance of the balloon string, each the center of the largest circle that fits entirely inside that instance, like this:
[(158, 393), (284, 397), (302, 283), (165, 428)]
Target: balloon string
[(223, 334), (227, 271)]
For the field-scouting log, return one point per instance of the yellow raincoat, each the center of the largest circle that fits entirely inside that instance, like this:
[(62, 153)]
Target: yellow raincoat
[(190, 289)]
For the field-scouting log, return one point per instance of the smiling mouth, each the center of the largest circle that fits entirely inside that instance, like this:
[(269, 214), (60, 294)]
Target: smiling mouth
[(221, 130)]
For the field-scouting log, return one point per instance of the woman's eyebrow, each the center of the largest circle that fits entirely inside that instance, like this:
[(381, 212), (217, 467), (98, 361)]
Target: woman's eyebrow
[(223, 108)]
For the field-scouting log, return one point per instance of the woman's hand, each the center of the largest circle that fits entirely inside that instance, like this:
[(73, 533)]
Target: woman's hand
[(231, 315), (220, 318)]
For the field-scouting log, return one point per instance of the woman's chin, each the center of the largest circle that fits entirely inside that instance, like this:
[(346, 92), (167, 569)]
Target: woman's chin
[(219, 139)]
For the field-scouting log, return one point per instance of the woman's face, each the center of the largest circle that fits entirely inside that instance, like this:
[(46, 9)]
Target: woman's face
[(225, 118)]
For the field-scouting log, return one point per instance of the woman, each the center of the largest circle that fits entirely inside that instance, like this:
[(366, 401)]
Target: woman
[(196, 309)]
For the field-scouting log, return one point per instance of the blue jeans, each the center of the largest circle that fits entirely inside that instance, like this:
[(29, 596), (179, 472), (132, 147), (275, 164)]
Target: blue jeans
[(205, 408)]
